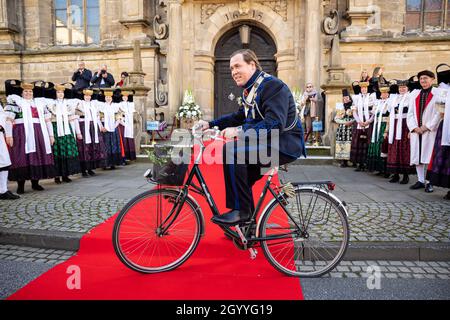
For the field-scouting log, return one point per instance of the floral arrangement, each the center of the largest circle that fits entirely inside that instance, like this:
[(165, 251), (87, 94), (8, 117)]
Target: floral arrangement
[(189, 109), (297, 97)]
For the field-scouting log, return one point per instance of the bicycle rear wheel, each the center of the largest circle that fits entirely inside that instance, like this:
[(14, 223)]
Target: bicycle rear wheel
[(137, 237), (312, 239)]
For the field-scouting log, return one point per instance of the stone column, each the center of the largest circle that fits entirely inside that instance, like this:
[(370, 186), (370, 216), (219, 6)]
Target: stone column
[(136, 19), (286, 63), (333, 90), (175, 55), (312, 42), (204, 83), (136, 84)]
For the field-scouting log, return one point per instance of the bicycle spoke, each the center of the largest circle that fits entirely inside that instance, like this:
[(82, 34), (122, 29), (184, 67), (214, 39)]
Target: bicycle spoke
[(142, 243), (314, 250)]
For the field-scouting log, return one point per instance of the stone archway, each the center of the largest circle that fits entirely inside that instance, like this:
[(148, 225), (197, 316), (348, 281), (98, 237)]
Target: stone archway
[(215, 26), (264, 47)]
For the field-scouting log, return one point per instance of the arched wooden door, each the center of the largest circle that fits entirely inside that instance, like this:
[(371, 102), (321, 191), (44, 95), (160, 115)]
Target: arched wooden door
[(264, 47)]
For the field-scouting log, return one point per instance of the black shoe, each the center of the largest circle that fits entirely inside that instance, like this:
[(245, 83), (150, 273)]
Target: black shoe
[(84, 174), (344, 164), (66, 179), (387, 175), (429, 188), (91, 173), (405, 179), (447, 197), (417, 185), (395, 178), (57, 180), (36, 186), (8, 195), (20, 187), (113, 167), (232, 218), (358, 169)]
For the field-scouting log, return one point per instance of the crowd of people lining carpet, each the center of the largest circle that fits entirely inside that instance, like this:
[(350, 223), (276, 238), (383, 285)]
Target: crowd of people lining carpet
[(397, 128), (52, 131), (394, 128)]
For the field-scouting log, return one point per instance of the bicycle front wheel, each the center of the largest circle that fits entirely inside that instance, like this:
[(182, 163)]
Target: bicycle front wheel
[(310, 236), (138, 238)]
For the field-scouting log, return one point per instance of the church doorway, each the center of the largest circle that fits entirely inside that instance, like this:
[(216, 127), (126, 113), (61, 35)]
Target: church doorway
[(241, 37)]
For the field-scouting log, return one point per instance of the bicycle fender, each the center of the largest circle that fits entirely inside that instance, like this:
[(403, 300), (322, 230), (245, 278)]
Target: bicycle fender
[(336, 199)]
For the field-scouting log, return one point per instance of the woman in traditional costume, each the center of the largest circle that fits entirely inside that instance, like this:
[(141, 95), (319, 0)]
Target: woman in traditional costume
[(30, 139)]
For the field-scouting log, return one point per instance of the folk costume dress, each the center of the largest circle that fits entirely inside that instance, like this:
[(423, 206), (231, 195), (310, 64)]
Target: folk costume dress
[(378, 147), (111, 137), (126, 130), (65, 150), (399, 149), (92, 151), (344, 114), (31, 154), (377, 151), (362, 112), (439, 168)]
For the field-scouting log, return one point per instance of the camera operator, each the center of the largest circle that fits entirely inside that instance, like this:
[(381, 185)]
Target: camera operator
[(82, 77), (102, 78)]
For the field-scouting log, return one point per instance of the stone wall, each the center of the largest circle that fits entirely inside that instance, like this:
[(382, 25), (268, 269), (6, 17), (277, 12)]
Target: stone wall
[(400, 59)]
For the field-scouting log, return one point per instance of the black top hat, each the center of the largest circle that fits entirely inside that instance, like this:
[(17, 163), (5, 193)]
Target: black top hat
[(444, 75), (356, 87), (345, 93), (13, 87)]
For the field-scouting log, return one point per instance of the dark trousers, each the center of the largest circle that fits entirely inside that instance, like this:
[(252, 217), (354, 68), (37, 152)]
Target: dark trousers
[(241, 173)]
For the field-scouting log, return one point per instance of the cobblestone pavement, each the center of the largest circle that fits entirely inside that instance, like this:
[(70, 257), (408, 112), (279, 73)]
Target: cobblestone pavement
[(59, 213), (378, 211), (392, 270), (29, 254), (345, 269)]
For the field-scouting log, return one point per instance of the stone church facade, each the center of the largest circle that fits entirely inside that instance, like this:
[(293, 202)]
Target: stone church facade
[(185, 44)]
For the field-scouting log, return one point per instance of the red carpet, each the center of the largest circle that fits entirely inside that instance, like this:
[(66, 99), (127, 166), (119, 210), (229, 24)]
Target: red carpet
[(216, 271)]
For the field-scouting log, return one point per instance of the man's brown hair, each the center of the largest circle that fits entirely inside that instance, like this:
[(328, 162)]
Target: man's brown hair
[(248, 56)]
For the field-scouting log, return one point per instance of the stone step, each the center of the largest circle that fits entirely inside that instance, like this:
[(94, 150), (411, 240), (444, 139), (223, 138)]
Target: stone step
[(310, 160), (318, 151)]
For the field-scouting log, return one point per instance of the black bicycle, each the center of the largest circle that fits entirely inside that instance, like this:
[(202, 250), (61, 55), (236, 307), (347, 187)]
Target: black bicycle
[(303, 230)]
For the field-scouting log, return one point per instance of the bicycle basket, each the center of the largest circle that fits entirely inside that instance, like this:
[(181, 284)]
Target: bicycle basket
[(170, 169)]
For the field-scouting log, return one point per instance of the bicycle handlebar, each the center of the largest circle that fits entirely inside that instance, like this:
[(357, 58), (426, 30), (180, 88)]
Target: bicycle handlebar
[(201, 135)]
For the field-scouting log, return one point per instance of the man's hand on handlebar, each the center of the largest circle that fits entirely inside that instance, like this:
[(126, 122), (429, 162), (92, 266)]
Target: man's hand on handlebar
[(202, 124)]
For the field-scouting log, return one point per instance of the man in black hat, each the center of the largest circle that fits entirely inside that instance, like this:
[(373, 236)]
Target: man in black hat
[(423, 121)]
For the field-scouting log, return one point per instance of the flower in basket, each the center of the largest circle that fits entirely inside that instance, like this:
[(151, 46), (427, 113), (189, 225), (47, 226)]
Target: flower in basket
[(189, 109)]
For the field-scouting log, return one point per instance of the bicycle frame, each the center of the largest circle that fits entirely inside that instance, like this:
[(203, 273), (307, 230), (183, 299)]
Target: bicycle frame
[(204, 191)]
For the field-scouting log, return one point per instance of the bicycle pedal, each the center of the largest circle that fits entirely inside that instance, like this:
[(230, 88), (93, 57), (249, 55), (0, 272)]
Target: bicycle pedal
[(253, 253)]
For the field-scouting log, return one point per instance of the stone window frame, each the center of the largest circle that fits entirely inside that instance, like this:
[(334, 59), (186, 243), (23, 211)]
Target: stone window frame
[(445, 18), (69, 26)]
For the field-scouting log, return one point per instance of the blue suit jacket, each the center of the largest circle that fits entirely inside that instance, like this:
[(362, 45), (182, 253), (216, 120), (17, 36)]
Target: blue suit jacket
[(277, 106)]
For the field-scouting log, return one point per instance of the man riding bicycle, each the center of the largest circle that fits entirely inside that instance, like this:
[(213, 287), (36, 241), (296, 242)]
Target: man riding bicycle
[(266, 124)]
